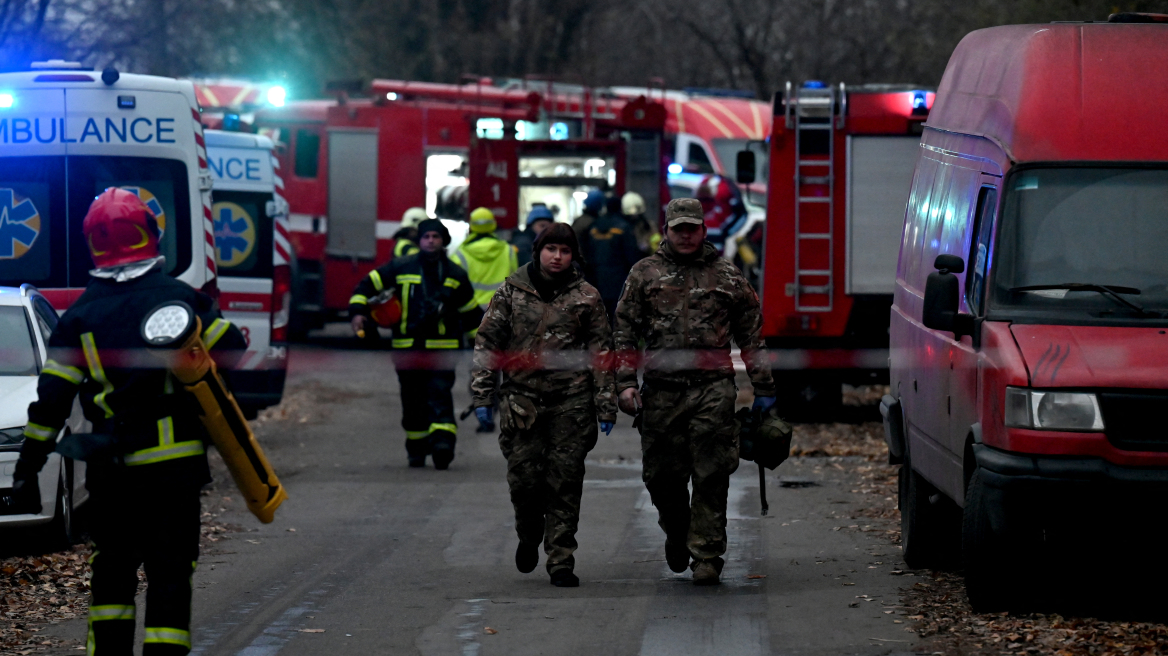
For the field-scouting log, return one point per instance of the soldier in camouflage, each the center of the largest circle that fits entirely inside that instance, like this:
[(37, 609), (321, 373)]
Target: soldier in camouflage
[(687, 303), (547, 331)]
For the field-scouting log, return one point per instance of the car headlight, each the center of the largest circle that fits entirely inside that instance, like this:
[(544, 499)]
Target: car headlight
[(1053, 410), (11, 438)]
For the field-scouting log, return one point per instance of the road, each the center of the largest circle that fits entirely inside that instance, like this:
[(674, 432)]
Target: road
[(371, 557)]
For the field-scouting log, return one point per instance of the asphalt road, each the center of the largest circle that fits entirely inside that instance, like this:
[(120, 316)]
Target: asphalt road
[(371, 557)]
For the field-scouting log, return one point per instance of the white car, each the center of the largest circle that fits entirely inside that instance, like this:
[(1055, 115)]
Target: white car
[(26, 321)]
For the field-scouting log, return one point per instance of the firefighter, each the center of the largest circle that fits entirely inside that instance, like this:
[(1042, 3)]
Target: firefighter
[(144, 489), (593, 206), (610, 251), (488, 261), (686, 296), (431, 289), (405, 240), (647, 232), (538, 220), (548, 416)]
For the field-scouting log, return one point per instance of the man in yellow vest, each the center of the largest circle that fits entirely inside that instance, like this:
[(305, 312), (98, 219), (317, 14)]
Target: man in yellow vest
[(488, 261)]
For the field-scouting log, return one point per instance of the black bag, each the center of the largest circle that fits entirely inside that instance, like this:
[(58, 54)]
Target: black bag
[(763, 437)]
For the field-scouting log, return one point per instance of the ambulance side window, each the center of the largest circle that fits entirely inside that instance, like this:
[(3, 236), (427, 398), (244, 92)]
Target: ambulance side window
[(981, 249), (33, 221), (307, 153)]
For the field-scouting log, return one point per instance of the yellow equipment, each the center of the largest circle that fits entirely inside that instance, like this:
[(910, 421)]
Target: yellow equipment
[(192, 365)]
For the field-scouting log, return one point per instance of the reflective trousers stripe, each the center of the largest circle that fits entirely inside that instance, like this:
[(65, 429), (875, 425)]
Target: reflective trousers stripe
[(358, 299), (403, 343), (452, 428), (216, 330), (376, 278), (417, 435), (111, 612), (405, 300), (166, 452), (71, 374), (98, 373), (40, 433), (167, 635), (442, 343)]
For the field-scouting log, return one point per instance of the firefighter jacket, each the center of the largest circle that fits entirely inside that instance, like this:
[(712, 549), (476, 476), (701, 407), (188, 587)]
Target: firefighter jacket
[(548, 350), (488, 261), (405, 242), (610, 251), (432, 290), (97, 351), (687, 309)]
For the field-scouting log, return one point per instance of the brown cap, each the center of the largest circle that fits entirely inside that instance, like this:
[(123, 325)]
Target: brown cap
[(684, 210)]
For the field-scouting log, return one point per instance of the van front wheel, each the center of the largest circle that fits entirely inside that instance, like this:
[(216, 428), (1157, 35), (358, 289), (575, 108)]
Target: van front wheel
[(994, 561)]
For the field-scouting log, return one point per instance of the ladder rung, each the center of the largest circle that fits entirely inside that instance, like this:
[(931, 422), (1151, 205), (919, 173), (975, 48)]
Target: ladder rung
[(814, 235), (815, 289), (814, 199), (814, 126), (813, 272), (815, 162), (814, 179)]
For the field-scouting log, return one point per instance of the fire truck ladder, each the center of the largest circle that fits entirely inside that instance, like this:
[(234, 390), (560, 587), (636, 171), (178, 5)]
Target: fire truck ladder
[(812, 113)]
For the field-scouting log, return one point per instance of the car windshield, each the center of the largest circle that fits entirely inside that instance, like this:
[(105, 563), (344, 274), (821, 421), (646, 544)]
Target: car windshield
[(18, 355), (728, 154), (1075, 230)]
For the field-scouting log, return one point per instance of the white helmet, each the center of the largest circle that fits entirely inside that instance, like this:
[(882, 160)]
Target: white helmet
[(632, 204), (413, 217)]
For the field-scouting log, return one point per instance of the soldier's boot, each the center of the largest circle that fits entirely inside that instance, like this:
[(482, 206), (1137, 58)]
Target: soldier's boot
[(707, 572), (677, 555), (443, 448), (564, 578), (527, 556)]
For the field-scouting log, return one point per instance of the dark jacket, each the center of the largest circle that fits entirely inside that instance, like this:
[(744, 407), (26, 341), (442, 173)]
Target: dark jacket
[(431, 291), (97, 351), (523, 243), (610, 251)]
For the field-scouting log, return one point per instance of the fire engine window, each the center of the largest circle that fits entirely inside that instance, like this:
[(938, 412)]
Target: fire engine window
[(32, 221), (243, 233), (698, 160), (307, 153), (161, 183), (446, 185)]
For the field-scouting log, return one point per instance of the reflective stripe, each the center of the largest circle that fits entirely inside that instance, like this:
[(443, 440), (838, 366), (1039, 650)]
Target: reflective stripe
[(403, 278), (417, 435), (97, 372), (166, 431), (167, 452), (168, 384), (442, 343), (451, 283), (376, 278), (358, 299), (111, 612), (403, 343), (470, 305), (486, 287), (404, 247), (405, 302), (71, 374), (168, 636), (40, 433), (461, 257), (215, 331), (452, 428)]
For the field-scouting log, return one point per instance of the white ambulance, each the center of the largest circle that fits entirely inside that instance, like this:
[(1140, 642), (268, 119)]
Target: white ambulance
[(67, 133), (250, 220)]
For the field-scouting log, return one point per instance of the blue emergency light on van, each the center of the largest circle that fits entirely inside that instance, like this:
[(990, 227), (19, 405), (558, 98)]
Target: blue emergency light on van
[(814, 84), (6, 100)]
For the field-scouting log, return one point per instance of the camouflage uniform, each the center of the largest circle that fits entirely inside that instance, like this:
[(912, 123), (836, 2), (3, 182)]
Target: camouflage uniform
[(557, 384), (687, 309)]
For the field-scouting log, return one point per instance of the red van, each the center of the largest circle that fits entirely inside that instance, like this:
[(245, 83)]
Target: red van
[(1029, 332)]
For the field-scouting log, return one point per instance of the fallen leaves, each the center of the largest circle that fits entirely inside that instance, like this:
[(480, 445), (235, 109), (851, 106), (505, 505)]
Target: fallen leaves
[(36, 590), (489, 631)]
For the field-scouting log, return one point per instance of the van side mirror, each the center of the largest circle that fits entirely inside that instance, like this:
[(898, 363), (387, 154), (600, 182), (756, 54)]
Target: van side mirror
[(943, 297), (745, 165)]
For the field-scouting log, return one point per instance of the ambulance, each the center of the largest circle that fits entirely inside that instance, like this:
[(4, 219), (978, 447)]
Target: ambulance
[(250, 219), (67, 133)]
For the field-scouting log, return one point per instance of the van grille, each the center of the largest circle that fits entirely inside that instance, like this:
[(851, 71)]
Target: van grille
[(1136, 420)]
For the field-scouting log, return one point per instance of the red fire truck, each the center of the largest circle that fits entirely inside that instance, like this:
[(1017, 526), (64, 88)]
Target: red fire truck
[(354, 165), (841, 163)]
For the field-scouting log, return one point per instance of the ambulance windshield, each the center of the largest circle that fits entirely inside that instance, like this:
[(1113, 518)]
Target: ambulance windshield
[(17, 350), (43, 202), (1091, 226)]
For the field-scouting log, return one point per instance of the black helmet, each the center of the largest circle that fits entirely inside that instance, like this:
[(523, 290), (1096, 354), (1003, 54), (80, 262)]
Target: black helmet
[(763, 437)]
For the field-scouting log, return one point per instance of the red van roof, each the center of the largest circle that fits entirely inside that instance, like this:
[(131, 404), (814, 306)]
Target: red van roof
[(1061, 92)]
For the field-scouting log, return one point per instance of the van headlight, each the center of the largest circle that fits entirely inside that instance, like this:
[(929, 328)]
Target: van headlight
[(1053, 410), (11, 438)]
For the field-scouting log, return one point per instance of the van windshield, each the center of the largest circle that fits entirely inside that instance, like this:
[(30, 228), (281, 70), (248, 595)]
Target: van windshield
[(1105, 226)]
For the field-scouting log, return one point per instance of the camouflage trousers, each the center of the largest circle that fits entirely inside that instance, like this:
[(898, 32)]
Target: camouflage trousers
[(545, 447), (688, 434)]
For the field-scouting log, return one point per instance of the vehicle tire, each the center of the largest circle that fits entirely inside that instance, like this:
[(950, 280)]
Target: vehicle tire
[(929, 522), (995, 562)]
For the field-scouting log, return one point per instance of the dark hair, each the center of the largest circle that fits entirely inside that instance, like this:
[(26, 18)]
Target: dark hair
[(558, 233)]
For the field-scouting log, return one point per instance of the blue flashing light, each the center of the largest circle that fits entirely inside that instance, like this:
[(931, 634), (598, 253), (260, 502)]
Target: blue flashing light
[(231, 122), (675, 169), (919, 101), (814, 84), (558, 131), (277, 95), (6, 100)]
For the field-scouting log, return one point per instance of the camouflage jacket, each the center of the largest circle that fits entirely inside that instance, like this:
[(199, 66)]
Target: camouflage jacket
[(546, 350), (687, 313)]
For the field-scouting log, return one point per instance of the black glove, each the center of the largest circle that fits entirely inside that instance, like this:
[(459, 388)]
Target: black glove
[(24, 498)]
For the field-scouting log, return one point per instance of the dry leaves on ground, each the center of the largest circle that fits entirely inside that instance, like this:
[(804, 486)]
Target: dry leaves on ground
[(35, 591)]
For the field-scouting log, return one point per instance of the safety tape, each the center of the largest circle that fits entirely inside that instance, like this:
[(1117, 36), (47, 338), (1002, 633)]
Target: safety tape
[(215, 332), (450, 428), (98, 372), (40, 433), (167, 452), (417, 435), (451, 283), (443, 343), (486, 287), (168, 636), (403, 278), (376, 278), (111, 612), (358, 299), (403, 343), (70, 374)]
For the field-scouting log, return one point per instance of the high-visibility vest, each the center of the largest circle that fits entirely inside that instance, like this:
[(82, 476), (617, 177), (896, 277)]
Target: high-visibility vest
[(488, 261)]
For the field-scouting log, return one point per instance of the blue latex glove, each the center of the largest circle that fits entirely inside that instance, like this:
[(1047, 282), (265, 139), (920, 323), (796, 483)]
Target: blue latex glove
[(606, 426), (484, 416), (763, 403)]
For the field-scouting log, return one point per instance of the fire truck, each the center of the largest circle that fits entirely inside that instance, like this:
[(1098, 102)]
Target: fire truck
[(353, 165), (841, 164)]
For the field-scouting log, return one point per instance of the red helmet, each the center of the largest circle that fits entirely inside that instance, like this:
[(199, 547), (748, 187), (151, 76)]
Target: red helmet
[(120, 229)]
